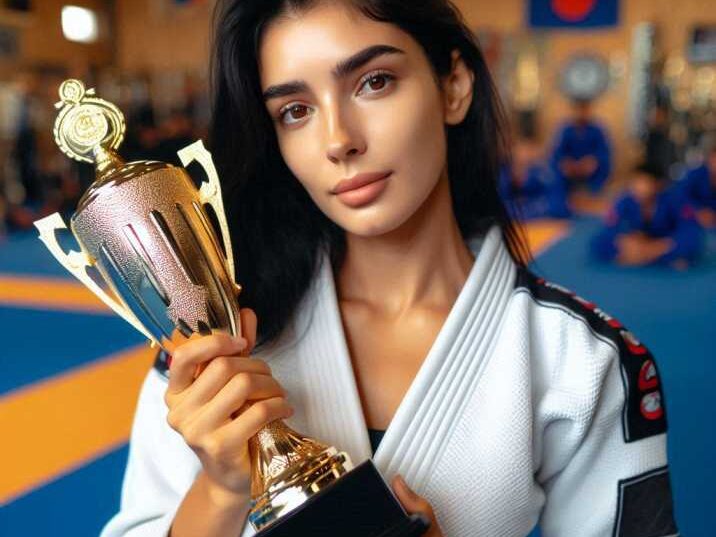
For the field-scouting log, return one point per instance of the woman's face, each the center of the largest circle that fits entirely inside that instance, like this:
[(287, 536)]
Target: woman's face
[(350, 96)]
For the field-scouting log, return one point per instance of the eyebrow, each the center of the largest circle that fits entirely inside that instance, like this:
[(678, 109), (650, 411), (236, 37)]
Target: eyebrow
[(341, 70)]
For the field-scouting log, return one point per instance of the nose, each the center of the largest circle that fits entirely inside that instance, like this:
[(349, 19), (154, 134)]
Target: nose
[(343, 136)]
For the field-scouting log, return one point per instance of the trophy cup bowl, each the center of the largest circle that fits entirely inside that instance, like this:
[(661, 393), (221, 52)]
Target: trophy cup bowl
[(150, 252)]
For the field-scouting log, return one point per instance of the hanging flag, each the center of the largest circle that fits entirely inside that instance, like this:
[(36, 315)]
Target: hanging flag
[(573, 13)]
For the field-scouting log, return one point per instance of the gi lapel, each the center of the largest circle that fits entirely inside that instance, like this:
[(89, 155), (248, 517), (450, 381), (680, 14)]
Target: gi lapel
[(425, 419), (331, 407)]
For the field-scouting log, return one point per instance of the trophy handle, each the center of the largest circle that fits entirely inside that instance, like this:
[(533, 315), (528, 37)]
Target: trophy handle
[(210, 192), (77, 263)]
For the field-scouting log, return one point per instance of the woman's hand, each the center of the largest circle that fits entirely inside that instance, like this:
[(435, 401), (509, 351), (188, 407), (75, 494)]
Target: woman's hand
[(413, 503), (218, 398)]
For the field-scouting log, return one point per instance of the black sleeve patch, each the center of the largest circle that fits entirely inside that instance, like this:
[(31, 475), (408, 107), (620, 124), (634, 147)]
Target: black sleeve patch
[(645, 507), (161, 363), (644, 412)]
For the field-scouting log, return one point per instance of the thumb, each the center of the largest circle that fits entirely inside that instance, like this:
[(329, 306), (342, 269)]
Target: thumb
[(412, 502), (248, 328)]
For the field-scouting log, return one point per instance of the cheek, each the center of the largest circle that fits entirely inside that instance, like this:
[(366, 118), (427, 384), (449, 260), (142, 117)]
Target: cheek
[(414, 135), (304, 156)]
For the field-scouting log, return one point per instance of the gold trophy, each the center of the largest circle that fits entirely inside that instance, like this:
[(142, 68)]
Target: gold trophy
[(150, 253)]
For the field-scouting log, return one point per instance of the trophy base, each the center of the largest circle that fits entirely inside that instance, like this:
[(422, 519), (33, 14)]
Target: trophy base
[(359, 504)]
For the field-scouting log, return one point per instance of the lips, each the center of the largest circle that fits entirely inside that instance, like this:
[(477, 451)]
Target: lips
[(361, 190), (358, 181)]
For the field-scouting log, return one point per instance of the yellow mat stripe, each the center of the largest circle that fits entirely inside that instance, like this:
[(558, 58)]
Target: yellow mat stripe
[(541, 234), (49, 294), (60, 424)]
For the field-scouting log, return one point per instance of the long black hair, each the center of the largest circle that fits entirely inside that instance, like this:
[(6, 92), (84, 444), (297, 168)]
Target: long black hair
[(277, 230)]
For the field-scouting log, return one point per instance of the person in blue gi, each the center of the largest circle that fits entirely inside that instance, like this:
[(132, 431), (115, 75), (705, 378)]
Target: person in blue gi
[(649, 224), (531, 192), (582, 156), (698, 186)]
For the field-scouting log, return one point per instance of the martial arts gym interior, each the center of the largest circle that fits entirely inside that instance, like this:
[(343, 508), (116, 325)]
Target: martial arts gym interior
[(611, 109)]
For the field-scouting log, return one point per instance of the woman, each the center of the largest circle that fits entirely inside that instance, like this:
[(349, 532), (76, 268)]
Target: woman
[(359, 145)]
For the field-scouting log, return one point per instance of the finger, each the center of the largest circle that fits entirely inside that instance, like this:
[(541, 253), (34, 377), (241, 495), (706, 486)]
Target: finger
[(231, 398), (188, 356), (249, 324), (255, 417), (217, 374), (411, 502)]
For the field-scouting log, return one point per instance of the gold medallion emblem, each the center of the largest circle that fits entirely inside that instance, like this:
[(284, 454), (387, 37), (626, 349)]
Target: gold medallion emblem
[(86, 124)]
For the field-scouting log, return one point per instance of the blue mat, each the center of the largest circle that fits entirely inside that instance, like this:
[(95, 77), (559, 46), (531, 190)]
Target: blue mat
[(45, 343), (77, 505), (24, 253)]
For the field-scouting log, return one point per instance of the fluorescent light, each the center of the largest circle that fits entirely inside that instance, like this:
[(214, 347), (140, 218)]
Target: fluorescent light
[(79, 24)]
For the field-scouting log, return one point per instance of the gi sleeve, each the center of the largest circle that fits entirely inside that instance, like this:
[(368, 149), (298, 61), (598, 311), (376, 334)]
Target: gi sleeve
[(687, 233), (604, 470), (602, 153), (160, 470), (559, 151), (619, 219)]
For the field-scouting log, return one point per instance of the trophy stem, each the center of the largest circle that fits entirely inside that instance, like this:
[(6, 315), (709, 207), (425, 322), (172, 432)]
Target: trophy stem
[(288, 468), (106, 161)]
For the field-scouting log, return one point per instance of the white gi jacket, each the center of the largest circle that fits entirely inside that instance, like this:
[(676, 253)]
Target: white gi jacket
[(532, 406)]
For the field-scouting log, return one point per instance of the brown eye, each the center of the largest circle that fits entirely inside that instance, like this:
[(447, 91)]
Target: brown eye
[(294, 113), (375, 83), (298, 111)]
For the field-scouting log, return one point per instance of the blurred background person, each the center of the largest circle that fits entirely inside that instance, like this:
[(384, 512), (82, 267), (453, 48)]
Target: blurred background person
[(659, 148), (649, 224), (529, 187), (581, 158), (176, 132), (143, 135), (698, 186)]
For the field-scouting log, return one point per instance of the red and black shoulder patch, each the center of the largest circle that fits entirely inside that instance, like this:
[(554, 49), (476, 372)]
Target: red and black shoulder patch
[(644, 412)]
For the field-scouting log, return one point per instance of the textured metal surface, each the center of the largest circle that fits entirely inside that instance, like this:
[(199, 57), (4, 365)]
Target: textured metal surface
[(150, 239), (125, 173)]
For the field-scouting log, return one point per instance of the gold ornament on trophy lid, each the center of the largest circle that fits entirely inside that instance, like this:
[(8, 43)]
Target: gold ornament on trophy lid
[(88, 129)]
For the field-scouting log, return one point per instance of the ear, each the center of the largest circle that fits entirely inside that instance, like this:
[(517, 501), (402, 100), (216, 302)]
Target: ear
[(457, 90)]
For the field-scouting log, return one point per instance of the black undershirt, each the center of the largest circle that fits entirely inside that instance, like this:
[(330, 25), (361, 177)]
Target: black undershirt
[(375, 435)]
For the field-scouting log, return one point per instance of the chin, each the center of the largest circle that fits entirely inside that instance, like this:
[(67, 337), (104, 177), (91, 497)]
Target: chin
[(373, 223)]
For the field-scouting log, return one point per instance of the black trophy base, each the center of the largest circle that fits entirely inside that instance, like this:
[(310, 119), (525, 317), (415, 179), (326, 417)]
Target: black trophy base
[(359, 504)]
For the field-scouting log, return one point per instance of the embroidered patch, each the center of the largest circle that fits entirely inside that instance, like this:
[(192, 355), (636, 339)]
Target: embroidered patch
[(645, 507), (643, 414)]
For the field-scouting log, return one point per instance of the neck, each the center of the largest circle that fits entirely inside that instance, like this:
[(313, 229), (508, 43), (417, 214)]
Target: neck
[(422, 263)]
